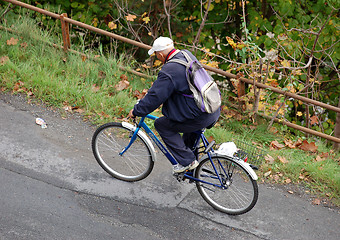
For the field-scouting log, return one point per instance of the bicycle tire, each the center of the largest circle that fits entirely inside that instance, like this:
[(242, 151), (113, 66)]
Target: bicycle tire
[(135, 164), (240, 193)]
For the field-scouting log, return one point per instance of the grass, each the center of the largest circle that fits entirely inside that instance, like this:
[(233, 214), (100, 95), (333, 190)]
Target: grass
[(35, 68)]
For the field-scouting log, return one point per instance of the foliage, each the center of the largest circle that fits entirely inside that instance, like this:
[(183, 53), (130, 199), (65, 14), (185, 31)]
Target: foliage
[(272, 42)]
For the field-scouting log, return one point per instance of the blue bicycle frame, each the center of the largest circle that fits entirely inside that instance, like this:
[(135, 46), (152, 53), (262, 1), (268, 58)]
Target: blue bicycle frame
[(165, 151)]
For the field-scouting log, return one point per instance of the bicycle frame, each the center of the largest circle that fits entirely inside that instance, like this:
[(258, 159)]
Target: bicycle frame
[(168, 155)]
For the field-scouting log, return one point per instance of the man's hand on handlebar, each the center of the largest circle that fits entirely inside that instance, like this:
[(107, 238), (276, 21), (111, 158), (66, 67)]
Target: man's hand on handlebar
[(131, 114)]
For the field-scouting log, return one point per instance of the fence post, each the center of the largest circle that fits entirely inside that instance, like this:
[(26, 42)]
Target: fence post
[(241, 91), (65, 32)]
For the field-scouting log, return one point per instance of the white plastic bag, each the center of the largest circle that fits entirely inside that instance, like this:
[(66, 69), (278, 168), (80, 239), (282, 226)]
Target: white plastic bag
[(227, 148)]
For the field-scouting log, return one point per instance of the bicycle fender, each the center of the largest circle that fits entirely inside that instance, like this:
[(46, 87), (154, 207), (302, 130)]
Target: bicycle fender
[(248, 168), (244, 165), (143, 136)]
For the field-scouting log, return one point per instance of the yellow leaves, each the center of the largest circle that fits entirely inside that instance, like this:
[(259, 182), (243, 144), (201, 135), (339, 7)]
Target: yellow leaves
[(130, 17), (189, 18), (157, 63), (231, 42), (209, 63), (95, 22), (211, 7), (112, 25), (272, 82), (291, 89), (146, 19), (239, 45), (285, 63), (299, 114), (281, 111)]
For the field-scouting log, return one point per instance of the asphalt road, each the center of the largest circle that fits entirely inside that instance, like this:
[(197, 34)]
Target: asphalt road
[(52, 188)]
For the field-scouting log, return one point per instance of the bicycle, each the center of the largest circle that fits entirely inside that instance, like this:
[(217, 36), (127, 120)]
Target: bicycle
[(123, 150)]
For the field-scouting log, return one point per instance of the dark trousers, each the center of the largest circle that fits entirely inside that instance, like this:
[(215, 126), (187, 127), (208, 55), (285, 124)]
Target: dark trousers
[(181, 146)]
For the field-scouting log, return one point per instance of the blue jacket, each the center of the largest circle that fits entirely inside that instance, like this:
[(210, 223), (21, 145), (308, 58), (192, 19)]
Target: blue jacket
[(168, 90)]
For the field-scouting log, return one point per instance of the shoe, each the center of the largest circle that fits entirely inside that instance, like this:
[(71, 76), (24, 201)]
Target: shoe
[(178, 168)]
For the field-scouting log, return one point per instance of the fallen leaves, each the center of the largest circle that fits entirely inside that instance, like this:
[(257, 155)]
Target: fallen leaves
[(276, 145), (269, 159), (316, 201), (123, 84), (303, 145), (140, 95), (13, 41), (282, 159), (3, 60), (308, 146)]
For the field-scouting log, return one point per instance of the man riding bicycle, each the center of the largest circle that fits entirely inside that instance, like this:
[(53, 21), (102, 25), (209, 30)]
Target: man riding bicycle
[(181, 114)]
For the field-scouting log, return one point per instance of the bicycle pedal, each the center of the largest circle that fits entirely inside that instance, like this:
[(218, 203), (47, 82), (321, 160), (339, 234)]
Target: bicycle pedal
[(179, 176)]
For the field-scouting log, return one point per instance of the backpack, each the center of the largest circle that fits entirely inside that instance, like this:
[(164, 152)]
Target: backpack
[(204, 90)]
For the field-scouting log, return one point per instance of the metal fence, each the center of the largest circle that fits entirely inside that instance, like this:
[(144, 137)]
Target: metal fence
[(65, 21)]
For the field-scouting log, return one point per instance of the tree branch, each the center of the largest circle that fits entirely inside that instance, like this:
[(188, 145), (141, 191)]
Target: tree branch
[(202, 25)]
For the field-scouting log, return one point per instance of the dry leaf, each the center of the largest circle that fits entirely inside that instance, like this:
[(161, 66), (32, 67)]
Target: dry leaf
[(123, 77), (289, 143), (3, 60), (269, 159), (140, 95), (318, 158), (112, 25), (12, 41), (288, 180), (308, 146), (101, 75), (324, 155), (273, 130), (79, 110), (95, 88), (316, 201), (157, 63), (145, 66), (290, 192), (130, 17), (124, 84), (19, 87), (83, 57), (276, 145), (24, 45), (267, 173), (282, 159), (314, 120)]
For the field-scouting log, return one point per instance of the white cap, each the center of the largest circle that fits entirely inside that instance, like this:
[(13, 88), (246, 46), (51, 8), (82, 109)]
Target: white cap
[(161, 44)]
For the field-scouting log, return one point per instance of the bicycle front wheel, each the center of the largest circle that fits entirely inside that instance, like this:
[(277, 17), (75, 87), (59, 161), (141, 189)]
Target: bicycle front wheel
[(226, 185), (108, 142)]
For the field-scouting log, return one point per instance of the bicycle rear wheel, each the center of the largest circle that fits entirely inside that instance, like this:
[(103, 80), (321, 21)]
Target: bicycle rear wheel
[(108, 142), (238, 192)]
